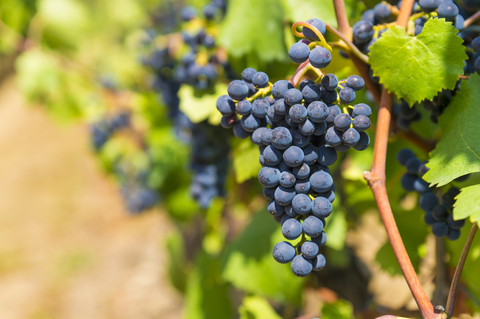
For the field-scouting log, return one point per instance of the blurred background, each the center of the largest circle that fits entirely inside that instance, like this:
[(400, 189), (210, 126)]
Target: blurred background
[(121, 196)]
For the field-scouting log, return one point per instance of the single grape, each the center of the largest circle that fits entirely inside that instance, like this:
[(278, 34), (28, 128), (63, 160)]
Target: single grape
[(361, 123), (342, 147), (421, 186), (333, 137), (280, 87), (355, 82), (382, 12), (187, 13), (428, 202), (407, 182), (260, 80), (301, 266), (440, 212), (321, 182), (247, 74), (304, 83), (250, 123), (455, 224), (267, 137), (369, 15), (293, 96), (309, 249), (476, 44), (225, 105), (404, 155), (268, 193), (272, 115), (362, 31), (317, 111), (299, 52), (283, 252), (453, 234), (287, 179), (307, 127), (342, 122), (330, 82), (428, 6), (447, 10), (363, 143), (310, 154), (284, 196), (272, 156), (429, 219), (227, 121), (298, 113), (413, 164), (477, 65), (256, 137), (320, 129), (329, 97), (269, 177), (311, 93), (290, 212), (302, 186), (320, 57), (239, 131), (347, 95), (237, 90), (281, 138), (448, 199), (301, 172), (259, 108), (243, 107), (291, 229), (351, 137), (320, 240), (275, 209), (321, 207), (439, 229), (293, 156), (280, 107), (317, 23), (300, 140), (312, 226), (326, 155)]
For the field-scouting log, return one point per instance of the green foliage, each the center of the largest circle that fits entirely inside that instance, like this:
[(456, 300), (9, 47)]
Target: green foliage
[(199, 108), (256, 307), (458, 151), (245, 161), (262, 36), (207, 295), (417, 68), (340, 309), (249, 266), (177, 262), (466, 205)]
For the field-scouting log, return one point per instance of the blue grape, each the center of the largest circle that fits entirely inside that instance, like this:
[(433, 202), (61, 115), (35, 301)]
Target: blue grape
[(310, 154), (291, 229), (239, 131), (440, 229), (361, 123), (317, 23), (281, 138), (304, 83), (311, 93), (333, 111), (428, 6), (355, 82), (227, 121), (455, 224), (448, 199), (421, 186), (302, 186), (187, 13), (329, 97), (284, 195), (283, 252), (275, 209), (326, 155), (361, 109), (247, 74), (321, 207), (309, 249), (342, 147), (347, 95), (300, 140), (272, 156), (453, 234), (320, 129), (413, 165), (259, 108), (317, 111), (342, 122), (363, 31), (440, 212), (333, 137), (272, 115), (407, 182), (363, 143), (290, 212), (210, 10), (321, 182), (301, 172), (298, 113), (293, 96), (301, 266), (330, 81), (476, 44), (250, 123), (268, 193), (319, 262), (459, 24), (267, 137), (280, 107), (447, 10), (382, 12), (302, 204), (237, 90), (299, 52), (269, 177), (428, 202), (369, 15), (225, 105), (243, 107), (293, 156), (287, 179), (404, 155), (256, 137), (320, 57), (312, 226), (260, 80), (307, 127), (280, 87), (429, 219), (351, 137)]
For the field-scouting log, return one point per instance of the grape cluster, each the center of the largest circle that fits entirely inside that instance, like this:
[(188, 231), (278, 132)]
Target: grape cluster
[(102, 130), (437, 214), (299, 132), (476, 48), (136, 193), (405, 115)]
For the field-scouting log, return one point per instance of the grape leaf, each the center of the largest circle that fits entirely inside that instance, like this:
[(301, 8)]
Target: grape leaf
[(416, 68), (340, 309), (245, 161), (201, 108), (249, 265), (466, 204), (255, 307), (262, 35), (458, 152)]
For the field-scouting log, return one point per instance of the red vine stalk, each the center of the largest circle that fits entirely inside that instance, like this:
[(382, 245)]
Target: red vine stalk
[(472, 19), (376, 178), (452, 294)]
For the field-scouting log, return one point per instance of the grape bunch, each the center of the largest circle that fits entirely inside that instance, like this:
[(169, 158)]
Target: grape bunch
[(102, 130), (299, 132), (405, 115), (437, 214), (476, 48)]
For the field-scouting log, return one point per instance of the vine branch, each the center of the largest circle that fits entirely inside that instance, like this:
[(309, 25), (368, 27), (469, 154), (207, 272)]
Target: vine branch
[(472, 19), (452, 294), (349, 43)]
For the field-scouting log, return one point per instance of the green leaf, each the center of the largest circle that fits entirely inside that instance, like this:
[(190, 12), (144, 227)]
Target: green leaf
[(245, 161), (466, 204), (256, 307), (177, 261), (340, 309), (249, 265), (252, 26), (458, 152), (337, 225), (207, 295), (201, 108), (416, 68)]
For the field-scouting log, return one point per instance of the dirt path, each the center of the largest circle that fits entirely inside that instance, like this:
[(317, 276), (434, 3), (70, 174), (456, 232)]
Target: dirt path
[(67, 247)]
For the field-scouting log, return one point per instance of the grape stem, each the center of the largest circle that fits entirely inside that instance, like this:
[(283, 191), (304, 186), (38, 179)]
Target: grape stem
[(376, 177), (452, 294), (320, 36), (472, 19), (349, 43), (300, 72)]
